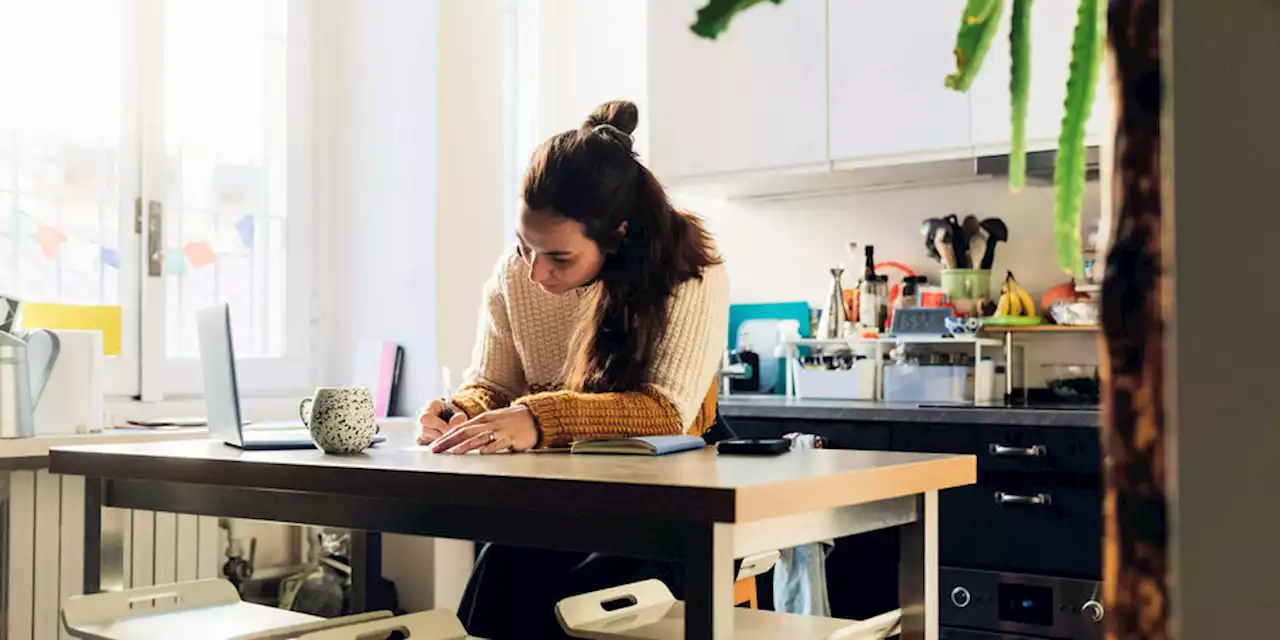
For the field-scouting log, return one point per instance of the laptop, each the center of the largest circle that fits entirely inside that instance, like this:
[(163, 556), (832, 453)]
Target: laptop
[(217, 359)]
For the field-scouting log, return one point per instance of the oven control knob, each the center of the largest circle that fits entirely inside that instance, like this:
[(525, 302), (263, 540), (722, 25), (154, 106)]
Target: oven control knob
[(960, 597), (1093, 610)]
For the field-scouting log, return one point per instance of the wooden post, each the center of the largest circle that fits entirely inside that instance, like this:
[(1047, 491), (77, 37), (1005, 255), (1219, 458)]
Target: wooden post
[(1133, 360)]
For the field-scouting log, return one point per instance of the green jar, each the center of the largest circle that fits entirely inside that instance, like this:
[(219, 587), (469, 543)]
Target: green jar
[(967, 284)]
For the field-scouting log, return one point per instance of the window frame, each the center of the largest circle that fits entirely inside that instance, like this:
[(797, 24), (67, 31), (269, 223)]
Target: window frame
[(163, 376)]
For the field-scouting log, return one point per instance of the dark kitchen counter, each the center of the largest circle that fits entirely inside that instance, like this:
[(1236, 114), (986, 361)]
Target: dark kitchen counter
[(780, 407)]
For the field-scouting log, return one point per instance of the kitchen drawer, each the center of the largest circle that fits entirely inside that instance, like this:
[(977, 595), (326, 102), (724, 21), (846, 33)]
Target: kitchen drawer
[(1056, 530), (1008, 448), (839, 434)]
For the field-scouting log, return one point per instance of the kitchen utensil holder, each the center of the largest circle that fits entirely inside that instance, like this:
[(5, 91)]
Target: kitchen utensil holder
[(966, 284)]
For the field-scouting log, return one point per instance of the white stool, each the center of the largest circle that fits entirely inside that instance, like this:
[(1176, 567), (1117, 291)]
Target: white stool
[(648, 610), (212, 609)]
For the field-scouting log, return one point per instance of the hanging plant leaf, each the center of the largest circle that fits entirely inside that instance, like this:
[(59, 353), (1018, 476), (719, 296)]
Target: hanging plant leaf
[(1069, 171), (978, 27), (714, 18), (1019, 81)]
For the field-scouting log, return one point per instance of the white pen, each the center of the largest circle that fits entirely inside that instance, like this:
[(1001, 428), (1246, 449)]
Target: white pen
[(446, 385)]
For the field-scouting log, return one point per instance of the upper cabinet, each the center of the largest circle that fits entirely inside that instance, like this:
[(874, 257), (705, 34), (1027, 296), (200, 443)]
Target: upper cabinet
[(1052, 29), (887, 66), (753, 100)]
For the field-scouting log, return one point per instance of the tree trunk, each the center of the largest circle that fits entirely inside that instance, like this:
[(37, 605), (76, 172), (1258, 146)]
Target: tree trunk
[(1135, 553)]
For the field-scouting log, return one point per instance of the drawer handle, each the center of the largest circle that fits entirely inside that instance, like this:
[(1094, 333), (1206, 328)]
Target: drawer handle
[(1038, 500), (1033, 451)]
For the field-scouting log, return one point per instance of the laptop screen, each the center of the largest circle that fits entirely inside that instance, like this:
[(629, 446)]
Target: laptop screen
[(217, 360)]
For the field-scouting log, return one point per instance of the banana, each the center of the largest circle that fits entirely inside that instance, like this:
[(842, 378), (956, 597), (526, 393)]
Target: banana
[(1024, 299), (1002, 309), (1015, 299)]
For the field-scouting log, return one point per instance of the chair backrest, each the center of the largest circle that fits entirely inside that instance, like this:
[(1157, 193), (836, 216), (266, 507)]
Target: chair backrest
[(292, 632), (81, 611), (645, 601)]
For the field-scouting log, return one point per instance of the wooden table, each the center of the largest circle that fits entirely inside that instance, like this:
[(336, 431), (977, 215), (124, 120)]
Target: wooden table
[(695, 508)]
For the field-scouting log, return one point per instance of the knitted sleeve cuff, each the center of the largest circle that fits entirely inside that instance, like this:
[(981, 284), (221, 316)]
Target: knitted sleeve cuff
[(477, 398), (565, 416)]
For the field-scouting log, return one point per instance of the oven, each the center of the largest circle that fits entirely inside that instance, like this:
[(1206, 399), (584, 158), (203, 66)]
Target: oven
[(988, 604)]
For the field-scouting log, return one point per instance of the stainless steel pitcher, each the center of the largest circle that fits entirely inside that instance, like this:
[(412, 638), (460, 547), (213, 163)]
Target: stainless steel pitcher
[(23, 377)]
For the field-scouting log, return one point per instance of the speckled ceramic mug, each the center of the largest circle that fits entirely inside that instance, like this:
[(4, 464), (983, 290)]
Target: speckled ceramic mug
[(340, 419)]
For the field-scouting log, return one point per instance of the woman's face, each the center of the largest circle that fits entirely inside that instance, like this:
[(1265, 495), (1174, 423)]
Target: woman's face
[(561, 257)]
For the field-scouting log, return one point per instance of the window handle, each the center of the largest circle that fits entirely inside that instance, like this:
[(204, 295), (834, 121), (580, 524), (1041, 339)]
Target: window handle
[(155, 239)]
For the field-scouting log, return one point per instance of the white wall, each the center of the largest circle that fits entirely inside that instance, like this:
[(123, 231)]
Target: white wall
[(779, 251), (782, 250), (410, 97), (376, 185)]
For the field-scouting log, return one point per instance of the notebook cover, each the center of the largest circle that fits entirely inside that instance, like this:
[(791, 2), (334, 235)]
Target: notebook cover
[(640, 445)]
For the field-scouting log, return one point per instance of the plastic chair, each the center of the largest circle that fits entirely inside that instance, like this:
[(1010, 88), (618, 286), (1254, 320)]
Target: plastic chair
[(744, 586), (212, 609), (426, 625), (648, 610)]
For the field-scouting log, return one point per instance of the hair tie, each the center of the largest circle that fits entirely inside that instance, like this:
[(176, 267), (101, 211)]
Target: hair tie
[(607, 130)]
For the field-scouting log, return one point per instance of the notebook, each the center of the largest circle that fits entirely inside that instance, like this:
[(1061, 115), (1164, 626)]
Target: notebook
[(640, 445), (377, 368)]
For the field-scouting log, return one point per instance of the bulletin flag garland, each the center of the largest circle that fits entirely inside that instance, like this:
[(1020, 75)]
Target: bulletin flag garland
[(195, 255)]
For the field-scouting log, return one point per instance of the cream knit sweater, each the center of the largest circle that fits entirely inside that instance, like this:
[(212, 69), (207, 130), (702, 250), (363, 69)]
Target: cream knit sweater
[(523, 347)]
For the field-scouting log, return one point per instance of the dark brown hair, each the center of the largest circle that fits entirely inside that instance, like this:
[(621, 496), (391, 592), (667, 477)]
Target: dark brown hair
[(591, 175)]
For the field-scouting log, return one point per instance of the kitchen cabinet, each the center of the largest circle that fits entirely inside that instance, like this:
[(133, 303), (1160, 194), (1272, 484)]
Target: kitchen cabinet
[(1052, 28), (887, 98), (752, 100)]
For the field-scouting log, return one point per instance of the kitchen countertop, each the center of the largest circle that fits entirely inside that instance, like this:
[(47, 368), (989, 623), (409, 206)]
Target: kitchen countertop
[(773, 406)]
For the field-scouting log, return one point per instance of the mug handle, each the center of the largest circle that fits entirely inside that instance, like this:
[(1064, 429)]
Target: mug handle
[(302, 410)]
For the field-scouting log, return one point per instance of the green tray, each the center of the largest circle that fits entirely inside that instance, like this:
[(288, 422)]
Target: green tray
[(1012, 321)]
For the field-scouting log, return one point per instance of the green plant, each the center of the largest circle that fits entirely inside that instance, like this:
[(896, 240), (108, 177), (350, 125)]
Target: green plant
[(978, 25)]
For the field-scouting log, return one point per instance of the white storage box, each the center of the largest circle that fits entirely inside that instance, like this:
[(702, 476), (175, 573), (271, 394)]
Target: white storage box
[(927, 383), (857, 383)]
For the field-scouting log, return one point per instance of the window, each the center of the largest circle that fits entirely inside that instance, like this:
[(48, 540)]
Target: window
[(195, 109)]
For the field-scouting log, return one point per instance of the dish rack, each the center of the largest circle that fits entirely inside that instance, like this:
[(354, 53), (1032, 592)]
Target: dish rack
[(869, 385)]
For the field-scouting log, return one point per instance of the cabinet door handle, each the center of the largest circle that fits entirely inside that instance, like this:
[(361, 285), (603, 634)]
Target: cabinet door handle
[(1033, 451), (1038, 500)]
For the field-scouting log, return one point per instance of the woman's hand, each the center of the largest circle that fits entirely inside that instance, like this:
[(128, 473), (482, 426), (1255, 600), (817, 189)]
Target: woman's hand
[(497, 431), (433, 425)]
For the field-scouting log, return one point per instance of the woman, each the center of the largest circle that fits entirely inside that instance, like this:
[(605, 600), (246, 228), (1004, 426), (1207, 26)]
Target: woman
[(609, 319)]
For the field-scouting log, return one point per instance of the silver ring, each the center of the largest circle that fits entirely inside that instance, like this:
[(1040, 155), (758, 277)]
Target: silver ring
[(493, 437)]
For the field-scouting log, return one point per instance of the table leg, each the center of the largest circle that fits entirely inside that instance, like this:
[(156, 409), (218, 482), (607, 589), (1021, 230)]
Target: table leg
[(366, 571), (92, 535), (708, 571), (918, 572), (1008, 366)]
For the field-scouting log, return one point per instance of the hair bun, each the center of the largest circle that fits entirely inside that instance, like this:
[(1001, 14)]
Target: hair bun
[(621, 114)]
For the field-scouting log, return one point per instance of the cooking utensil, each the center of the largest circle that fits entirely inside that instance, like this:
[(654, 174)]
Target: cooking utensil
[(1078, 382), (929, 228), (943, 247), (973, 238), (996, 232), (959, 245)]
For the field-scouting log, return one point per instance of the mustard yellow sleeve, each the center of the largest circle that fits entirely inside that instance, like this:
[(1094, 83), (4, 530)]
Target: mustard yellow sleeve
[(565, 416), (475, 398)]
